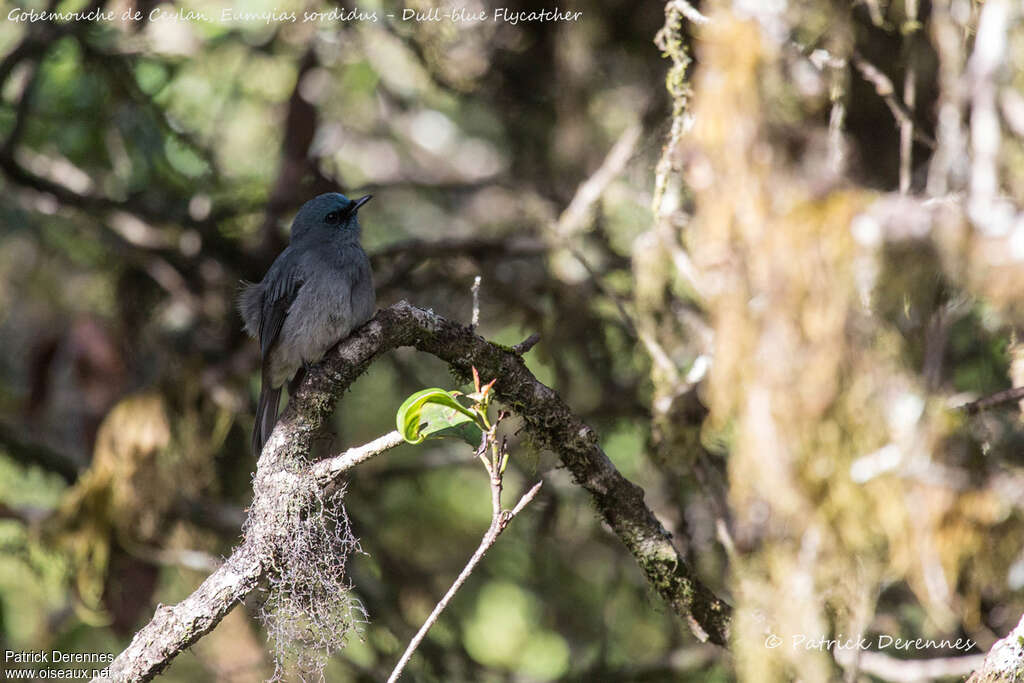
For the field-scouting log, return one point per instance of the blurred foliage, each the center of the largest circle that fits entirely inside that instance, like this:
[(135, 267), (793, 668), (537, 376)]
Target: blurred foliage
[(838, 342), (681, 210)]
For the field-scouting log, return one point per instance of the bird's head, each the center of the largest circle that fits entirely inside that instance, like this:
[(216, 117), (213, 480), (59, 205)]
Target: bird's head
[(329, 215)]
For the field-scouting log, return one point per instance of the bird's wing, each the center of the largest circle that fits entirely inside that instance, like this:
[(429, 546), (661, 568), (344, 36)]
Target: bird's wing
[(276, 302)]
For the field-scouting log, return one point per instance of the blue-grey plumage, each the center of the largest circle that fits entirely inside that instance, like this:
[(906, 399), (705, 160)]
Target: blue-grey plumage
[(316, 292)]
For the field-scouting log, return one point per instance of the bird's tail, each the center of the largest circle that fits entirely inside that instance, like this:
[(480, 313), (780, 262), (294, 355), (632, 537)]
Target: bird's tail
[(266, 416)]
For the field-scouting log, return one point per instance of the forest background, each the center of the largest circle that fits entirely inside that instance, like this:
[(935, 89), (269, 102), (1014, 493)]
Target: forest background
[(771, 251)]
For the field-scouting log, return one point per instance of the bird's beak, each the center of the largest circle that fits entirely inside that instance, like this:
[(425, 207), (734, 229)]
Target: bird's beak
[(362, 200)]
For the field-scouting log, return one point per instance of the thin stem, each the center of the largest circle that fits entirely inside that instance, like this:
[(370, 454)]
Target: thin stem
[(475, 289), (909, 101), (885, 89), (499, 521), (1005, 396), (326, 470)]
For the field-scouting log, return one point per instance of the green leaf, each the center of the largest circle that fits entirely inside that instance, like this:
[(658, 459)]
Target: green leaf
[(434, 413)]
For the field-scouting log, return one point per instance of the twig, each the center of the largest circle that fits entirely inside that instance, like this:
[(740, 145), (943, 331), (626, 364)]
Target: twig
[(589, 192), (499, 520), (909, 100), (328, 470), (476, 302), (837, 118), (527, 344), (591, 189), (1005, 396), (885, 89)]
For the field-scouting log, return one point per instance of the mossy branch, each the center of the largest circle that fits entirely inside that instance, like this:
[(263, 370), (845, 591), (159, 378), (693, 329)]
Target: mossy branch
[(549, 420)]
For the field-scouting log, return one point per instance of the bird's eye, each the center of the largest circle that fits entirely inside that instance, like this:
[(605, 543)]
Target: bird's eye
[(334, 217)]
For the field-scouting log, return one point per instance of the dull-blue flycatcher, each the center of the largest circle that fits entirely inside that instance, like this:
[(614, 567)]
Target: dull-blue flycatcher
[(316, 292)]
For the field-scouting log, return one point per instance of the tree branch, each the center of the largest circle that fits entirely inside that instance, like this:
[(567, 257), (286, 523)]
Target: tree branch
[(551, 422), (547, 417), (329, 470), (1003, 661), (174, 628), (1005, 396)]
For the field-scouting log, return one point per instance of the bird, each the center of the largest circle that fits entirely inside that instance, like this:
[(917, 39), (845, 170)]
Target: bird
[(315, 293)]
